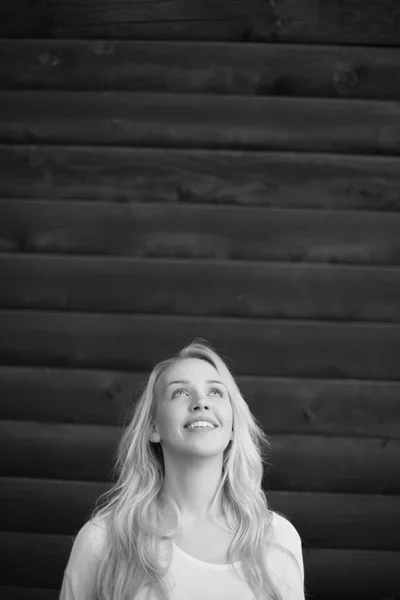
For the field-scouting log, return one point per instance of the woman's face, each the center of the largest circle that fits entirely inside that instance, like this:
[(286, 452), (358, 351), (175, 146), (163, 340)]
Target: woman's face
[(190, 391)]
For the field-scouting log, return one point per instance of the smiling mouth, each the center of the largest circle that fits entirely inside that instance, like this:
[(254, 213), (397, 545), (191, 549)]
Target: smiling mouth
[(208, 427), (201, 429)]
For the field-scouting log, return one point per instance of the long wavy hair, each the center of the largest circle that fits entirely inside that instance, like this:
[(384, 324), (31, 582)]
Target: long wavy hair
[(131, 510)]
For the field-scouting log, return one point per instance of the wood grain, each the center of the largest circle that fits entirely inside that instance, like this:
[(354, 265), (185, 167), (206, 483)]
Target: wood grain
[(318, 464), (40, 559), (11, 592), (352, 521), (69, 395), (296, 462), (355, 22), (282, 405), (335, 572), (227, 68), (125, 175), (111, 151), (355, 408), (348, 521), (48, 451), (242, 289), (35, 505), (35, 560), (254, 346), (200, 121), (200, 232)]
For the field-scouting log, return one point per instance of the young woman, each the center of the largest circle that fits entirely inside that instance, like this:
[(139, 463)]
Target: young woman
[(187, 518)]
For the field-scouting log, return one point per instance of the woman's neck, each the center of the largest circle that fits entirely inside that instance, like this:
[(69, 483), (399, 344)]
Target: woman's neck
[(193, 485)]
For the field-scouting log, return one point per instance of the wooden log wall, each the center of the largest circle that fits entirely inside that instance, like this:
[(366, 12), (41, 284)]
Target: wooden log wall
[(223, 170)]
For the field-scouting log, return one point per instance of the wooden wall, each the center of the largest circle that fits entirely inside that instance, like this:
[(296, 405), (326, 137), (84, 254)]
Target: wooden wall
[(228, 170)]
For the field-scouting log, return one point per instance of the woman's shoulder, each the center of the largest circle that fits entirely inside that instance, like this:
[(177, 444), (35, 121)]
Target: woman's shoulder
[(284, 532), (86, 554), (91, 537), (285, 549)]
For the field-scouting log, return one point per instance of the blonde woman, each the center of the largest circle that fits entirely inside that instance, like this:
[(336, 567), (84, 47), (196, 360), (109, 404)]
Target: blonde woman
[(187, 518)]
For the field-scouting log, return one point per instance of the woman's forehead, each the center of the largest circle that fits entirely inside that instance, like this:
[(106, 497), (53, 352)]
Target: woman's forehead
[(189, 369)]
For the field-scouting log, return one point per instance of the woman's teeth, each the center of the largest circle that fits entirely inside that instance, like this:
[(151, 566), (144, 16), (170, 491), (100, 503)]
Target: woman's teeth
[(201, 424)]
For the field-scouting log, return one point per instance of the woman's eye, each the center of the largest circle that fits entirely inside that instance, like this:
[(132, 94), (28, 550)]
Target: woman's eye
[(176, 392), (217, 391)]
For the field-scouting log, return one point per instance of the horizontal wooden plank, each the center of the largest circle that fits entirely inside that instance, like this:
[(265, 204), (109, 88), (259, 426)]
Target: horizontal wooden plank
[(253, 346), (280, 180), (50, 451), (317, 463), (33, 560), (35, 505), (282, 405), (351, 521), (201, 232), (70, 395), (297, 462), (245, 289), (9, 592), (370, 595), (200, 121), (330, 573), (339, 520), (228, 68), (356, 22), (39, 560), (324, 406), (29, 593)]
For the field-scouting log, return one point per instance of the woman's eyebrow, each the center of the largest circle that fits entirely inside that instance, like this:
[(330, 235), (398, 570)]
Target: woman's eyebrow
[(178, 381), (187, 382), (215, 381)]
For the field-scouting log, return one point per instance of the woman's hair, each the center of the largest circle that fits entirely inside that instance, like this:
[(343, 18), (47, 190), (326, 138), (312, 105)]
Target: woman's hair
[(133, 507)]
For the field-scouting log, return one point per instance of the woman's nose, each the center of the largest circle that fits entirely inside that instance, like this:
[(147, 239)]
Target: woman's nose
[(200, 401)]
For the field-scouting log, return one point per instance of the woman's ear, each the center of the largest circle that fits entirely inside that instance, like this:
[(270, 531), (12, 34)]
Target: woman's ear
[(154, 434)]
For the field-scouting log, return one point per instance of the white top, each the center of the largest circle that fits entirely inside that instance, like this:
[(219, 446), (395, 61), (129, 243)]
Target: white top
[(189, 577)]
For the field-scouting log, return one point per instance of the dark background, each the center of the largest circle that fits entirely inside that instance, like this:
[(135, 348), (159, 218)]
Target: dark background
[(228, 170)]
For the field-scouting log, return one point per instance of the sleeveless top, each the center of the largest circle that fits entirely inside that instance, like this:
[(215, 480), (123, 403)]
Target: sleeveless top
[(189, 578)]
